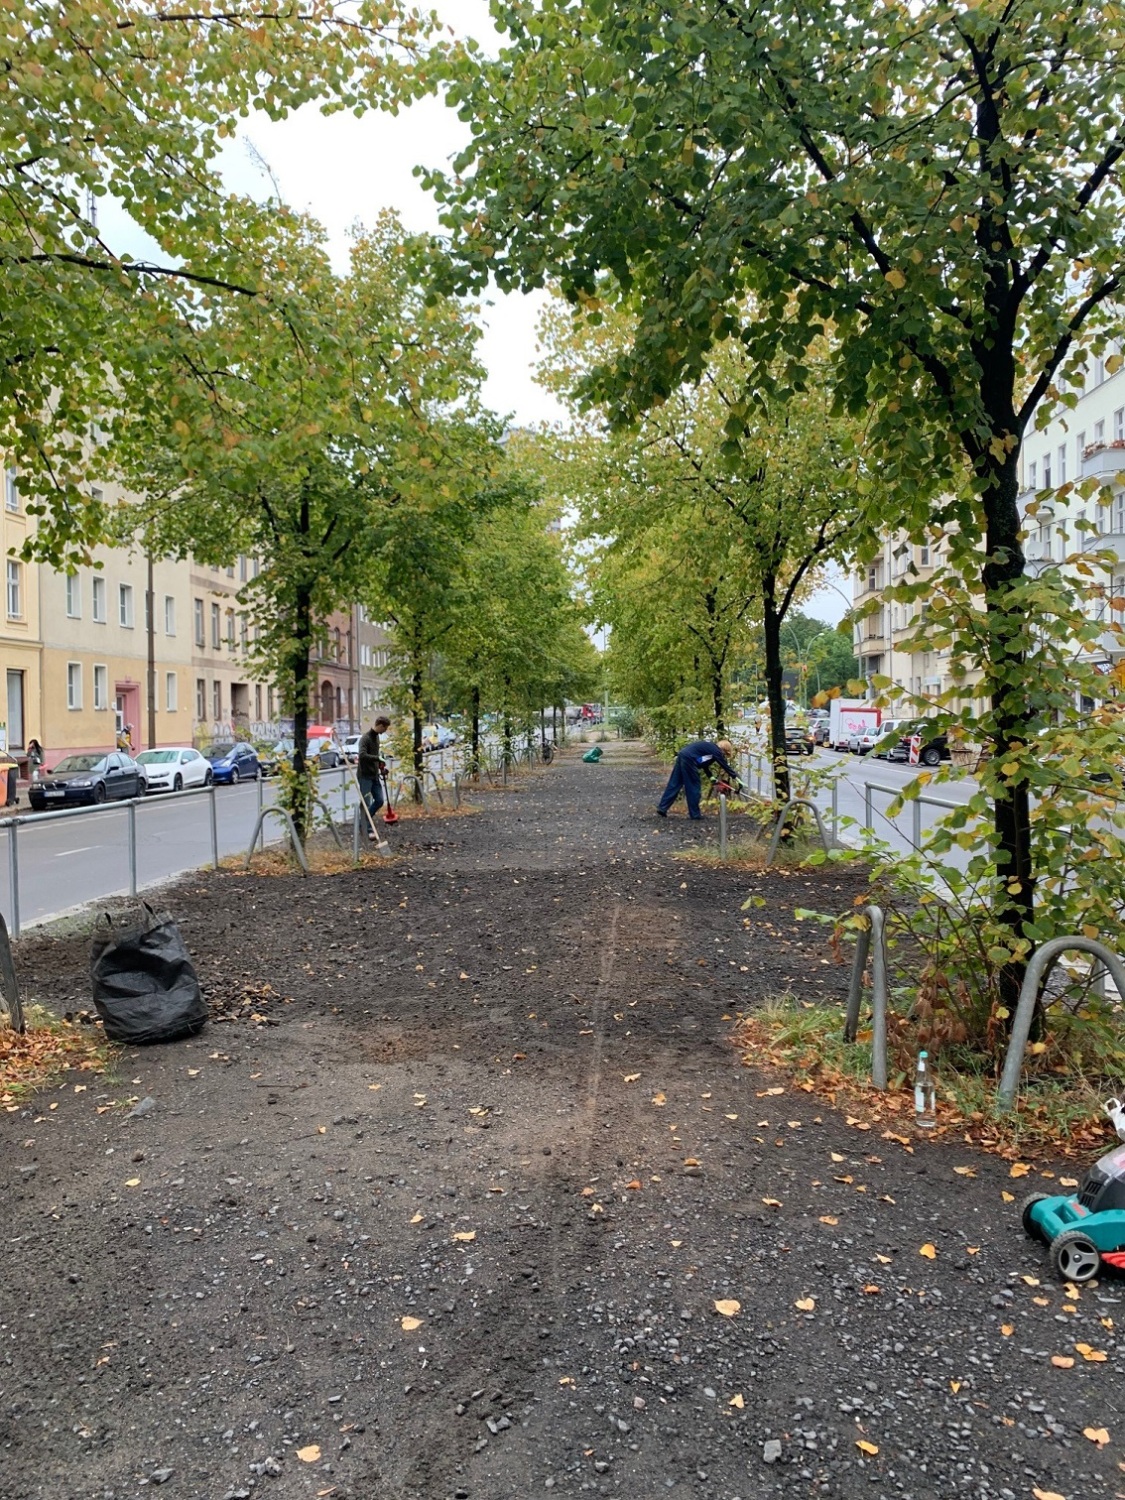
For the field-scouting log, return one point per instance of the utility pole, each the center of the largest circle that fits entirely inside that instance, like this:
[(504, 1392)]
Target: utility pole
[(151, 685)]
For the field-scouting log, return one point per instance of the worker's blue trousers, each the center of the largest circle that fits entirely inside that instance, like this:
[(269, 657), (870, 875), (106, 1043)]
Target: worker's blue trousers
[(684, 778)]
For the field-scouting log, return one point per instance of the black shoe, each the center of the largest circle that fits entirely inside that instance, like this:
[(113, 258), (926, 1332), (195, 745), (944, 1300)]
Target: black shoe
[(660, 813)]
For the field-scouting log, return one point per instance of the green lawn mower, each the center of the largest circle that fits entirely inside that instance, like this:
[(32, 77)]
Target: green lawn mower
[(1085, 1232)]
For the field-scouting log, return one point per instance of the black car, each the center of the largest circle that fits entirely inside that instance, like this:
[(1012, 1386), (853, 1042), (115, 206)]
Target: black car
[(799, 739), (88, 778), (934, 747)]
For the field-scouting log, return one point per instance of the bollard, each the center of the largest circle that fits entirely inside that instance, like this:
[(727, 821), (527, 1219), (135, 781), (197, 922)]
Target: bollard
[(132, 809), (722, 825), (14, 874), (868, 807), (215, 829), (868, 936)]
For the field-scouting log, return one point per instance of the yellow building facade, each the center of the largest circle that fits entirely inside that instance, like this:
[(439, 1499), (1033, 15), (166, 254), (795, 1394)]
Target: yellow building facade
[(21, 647)]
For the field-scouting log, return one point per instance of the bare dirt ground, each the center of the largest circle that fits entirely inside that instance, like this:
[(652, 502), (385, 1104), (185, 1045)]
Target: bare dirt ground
[(456, 1222)]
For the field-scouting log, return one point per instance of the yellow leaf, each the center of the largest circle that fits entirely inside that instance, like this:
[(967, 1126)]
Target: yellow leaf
[(1068, 1182), (1097, 1435), (465, 1236), (964, 1171), (417, 1219), (1062, 1361), (1007, 1197), (1095, 1356), (630, 1077), (736, 1401), (955, 1386), (865, 1447), (1030, 1280), (836, 1156), (1007, 1329), (828, 1219), (133, 1182), (772, 1202), (410, 1324), (322, 1130), (659, 1100), (884, 1260), (805, 1304), (1047, 1494), (929, 1251), (871, 1290), (193, 1072), (896, 279), (1018, 1169), (309, 1455), (728, 1307), (730, 1117)]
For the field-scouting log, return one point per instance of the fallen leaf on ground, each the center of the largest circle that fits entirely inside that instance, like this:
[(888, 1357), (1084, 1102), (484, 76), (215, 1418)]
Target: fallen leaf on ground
[(1062, 1361), (737, 1401), (865, 1447), (465, 1236), (835, 1155), (133, 1182), (408, 1325), (769, 1093), (1068, 1182), (1030, 1280), (772, 1202), (728, 1307), (929, 1251), (828, 1219), (955, 1386), (964, 1171), (884, 1260), (1007, 1329), (1047, 1494), (1018, 1169), (636, 1184), (1097, 1435), (309, 1455), (1007, 1197), (630, 1077), (659, 1100), (417, 1219), (1095, 1356), (871, 1289), (805, 1304)]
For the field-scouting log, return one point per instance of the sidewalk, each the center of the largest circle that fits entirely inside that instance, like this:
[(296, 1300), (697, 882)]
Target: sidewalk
[(455, 1219)]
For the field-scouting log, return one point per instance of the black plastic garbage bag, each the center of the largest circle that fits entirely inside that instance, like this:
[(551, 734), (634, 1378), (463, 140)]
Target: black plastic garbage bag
[(145, 986)]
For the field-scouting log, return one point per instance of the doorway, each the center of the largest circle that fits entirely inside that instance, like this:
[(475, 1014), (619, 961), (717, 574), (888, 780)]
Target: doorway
[(127, 708), (15, 710)]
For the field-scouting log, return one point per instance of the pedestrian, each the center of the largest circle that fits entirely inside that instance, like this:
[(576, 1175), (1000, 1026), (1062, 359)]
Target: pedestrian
[(35, 759), (370, 768), (125, 739), (685, 774)]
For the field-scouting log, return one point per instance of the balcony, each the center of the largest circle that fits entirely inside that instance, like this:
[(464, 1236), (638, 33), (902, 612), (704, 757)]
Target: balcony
[(1105, 462)]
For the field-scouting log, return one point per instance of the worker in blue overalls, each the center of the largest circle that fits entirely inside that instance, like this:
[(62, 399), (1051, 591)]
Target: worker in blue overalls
[(685, 774)]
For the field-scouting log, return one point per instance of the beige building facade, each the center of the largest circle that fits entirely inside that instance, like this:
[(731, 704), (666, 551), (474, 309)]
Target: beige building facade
[(21, 647)]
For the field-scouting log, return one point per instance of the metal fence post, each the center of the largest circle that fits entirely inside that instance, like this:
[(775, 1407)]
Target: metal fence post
[(214, 829), (916, 823), (836, 810), (132, 810), (14, 874), (722, 826), (261, 784), (868, 807)]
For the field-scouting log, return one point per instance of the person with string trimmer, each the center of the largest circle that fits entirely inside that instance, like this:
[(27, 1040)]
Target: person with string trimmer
[(370, 769)]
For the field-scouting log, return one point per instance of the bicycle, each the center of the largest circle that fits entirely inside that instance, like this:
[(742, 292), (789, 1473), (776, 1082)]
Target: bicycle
[(547, 750)]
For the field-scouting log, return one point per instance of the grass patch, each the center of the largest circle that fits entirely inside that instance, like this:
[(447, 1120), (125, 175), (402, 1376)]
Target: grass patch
[(48, 1048), (1060, 1103)]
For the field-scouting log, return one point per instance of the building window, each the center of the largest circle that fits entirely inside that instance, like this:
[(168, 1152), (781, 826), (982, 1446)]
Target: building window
[(1119, 425), (197, 616), (171, 692), (1046, 471), (258, 701), (101, 687), (269, 704), (125, 604), (230, 629), (923, 557), (169, 614), (1099, 371), (255, 567), (243, 632), (11, 490), (1079, 449), (1033, 476), (15, 590), (200, 699), (97, 600), (74, 684), (216, 627), (217, 700), (1099, 434), (242, 570), (73, 596), (1062, 463)]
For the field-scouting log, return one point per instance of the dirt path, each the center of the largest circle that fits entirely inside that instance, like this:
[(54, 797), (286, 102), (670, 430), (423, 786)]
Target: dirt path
[(500, 1101)]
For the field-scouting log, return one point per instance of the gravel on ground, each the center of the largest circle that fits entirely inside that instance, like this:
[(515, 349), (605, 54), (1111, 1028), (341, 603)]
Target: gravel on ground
[(467, 1193)]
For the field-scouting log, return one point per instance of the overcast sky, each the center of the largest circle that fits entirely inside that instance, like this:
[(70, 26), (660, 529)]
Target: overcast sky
[(344, 170)]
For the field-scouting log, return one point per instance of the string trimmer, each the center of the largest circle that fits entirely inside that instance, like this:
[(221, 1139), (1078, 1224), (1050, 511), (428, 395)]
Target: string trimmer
[(390, 816)]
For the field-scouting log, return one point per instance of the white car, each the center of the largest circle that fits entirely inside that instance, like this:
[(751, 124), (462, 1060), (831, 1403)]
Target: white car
[(174, 769), (351, 748), (437, 737)]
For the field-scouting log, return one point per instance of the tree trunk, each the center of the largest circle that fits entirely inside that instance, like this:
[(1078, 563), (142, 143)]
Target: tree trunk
[(775, 692), (1005, 669), (507, 727), (474, 734), (416, 728), (717, 697), (301, 660)]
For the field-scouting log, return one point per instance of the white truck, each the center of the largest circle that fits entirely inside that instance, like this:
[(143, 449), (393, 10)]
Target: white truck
[(847, 717)]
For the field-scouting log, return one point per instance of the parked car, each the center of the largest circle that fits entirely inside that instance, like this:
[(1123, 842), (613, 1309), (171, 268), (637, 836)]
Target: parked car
[(818, 723), (886, 737), (350, 748), (232, 763), (171, 770), (799, 739), (437, 737), (107, 777), (934, 747), (323, 746)]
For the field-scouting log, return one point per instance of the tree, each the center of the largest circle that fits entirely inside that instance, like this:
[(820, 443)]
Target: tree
[(133, 100), (308, 437), (938, 186)]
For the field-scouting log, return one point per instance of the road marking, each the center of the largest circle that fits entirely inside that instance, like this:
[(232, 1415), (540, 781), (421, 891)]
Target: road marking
[(86, 848)]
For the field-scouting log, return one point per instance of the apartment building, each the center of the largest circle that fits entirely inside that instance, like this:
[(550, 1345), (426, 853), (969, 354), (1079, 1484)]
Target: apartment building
[(21, 647), (227, 693), (882, 637)]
